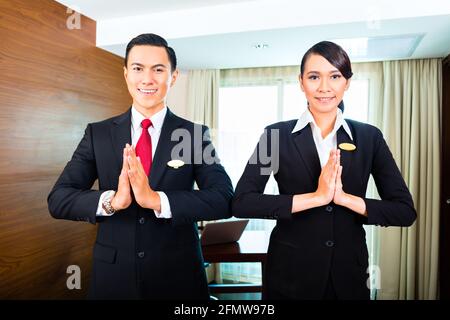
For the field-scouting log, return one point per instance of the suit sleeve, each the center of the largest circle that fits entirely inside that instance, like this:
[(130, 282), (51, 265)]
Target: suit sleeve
[(71, 197), (249, 200), (396, 207), (213, 199)]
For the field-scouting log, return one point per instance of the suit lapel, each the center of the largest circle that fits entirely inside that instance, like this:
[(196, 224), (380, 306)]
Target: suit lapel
[(121, 134), (304, 142), (163, 149), (346, 156)]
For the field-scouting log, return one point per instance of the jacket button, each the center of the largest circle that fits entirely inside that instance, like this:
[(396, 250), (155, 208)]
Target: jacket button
[(142, 220), (329, 208), (329, 243), (141, 254)]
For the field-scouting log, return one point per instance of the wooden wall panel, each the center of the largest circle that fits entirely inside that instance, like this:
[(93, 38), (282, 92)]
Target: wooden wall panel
[(53, 82)]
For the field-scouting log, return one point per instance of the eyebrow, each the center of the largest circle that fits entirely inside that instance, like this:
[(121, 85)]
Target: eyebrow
[(317, 72), (159, 65)]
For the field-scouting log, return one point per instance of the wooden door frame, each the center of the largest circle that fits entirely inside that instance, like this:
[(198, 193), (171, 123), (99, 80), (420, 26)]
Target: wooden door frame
[(444, 248)]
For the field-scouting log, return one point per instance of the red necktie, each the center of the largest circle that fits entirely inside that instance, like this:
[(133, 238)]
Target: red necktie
[(144, 146)]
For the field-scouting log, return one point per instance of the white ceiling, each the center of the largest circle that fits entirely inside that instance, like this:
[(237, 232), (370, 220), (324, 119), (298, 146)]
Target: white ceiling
[(222, 33), (107, 9)]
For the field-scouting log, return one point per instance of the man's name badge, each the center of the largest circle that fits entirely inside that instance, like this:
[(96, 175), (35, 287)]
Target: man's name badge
[(175, 163), (347, 146)]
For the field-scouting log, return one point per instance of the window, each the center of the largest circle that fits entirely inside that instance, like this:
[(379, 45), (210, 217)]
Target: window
[(243, 114)]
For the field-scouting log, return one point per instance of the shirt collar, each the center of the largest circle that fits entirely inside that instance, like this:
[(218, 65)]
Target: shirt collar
[(307, 118), (157, 119)]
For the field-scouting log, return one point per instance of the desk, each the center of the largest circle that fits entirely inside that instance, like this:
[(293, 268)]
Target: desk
[(252, 247)]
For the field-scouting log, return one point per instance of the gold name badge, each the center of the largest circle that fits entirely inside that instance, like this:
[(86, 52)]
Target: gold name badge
[(347, 146)]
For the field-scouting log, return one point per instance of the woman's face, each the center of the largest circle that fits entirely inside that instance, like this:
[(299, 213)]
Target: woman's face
[(323, 84)]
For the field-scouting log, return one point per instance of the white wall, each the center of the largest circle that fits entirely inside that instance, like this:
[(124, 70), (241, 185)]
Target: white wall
[(177, 98)]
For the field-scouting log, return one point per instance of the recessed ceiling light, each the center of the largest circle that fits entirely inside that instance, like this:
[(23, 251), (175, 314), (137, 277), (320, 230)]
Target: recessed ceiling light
[(260, 46), (356, 47), (386, 47)]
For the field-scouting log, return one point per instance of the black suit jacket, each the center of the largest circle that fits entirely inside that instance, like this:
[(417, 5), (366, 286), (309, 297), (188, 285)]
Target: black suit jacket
[(137, 255), (308, 247)]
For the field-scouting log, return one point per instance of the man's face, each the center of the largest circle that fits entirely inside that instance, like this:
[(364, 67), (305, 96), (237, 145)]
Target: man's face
[(149, 78)]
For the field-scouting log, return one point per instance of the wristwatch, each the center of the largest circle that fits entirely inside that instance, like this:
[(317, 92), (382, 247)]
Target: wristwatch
[(106, 203)]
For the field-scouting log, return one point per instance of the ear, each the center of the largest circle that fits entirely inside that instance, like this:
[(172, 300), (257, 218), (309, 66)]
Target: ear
[(301, 82), (174, 77), (125, 72), (348, 84)]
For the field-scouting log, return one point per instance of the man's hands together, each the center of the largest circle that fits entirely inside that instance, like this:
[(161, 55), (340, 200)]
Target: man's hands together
[(134, 181)]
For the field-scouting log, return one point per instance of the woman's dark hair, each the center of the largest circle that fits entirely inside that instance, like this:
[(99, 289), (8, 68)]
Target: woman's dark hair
[(334, 55), (151, 39)]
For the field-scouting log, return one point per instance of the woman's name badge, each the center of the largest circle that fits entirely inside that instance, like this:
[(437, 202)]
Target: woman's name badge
[(347, 146)]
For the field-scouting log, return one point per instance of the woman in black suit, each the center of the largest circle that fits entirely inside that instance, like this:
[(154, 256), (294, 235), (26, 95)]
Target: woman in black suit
[(322, 165)]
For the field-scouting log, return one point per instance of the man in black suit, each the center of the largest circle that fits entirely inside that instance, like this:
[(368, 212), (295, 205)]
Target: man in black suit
[(146, 162)]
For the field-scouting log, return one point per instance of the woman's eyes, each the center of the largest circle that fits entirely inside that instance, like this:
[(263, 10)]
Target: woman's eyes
[(334, 77)]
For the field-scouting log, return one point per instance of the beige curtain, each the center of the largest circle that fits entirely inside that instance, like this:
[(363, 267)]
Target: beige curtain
[(203, 97), (203, 105), (372, 72), (407, 110)]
